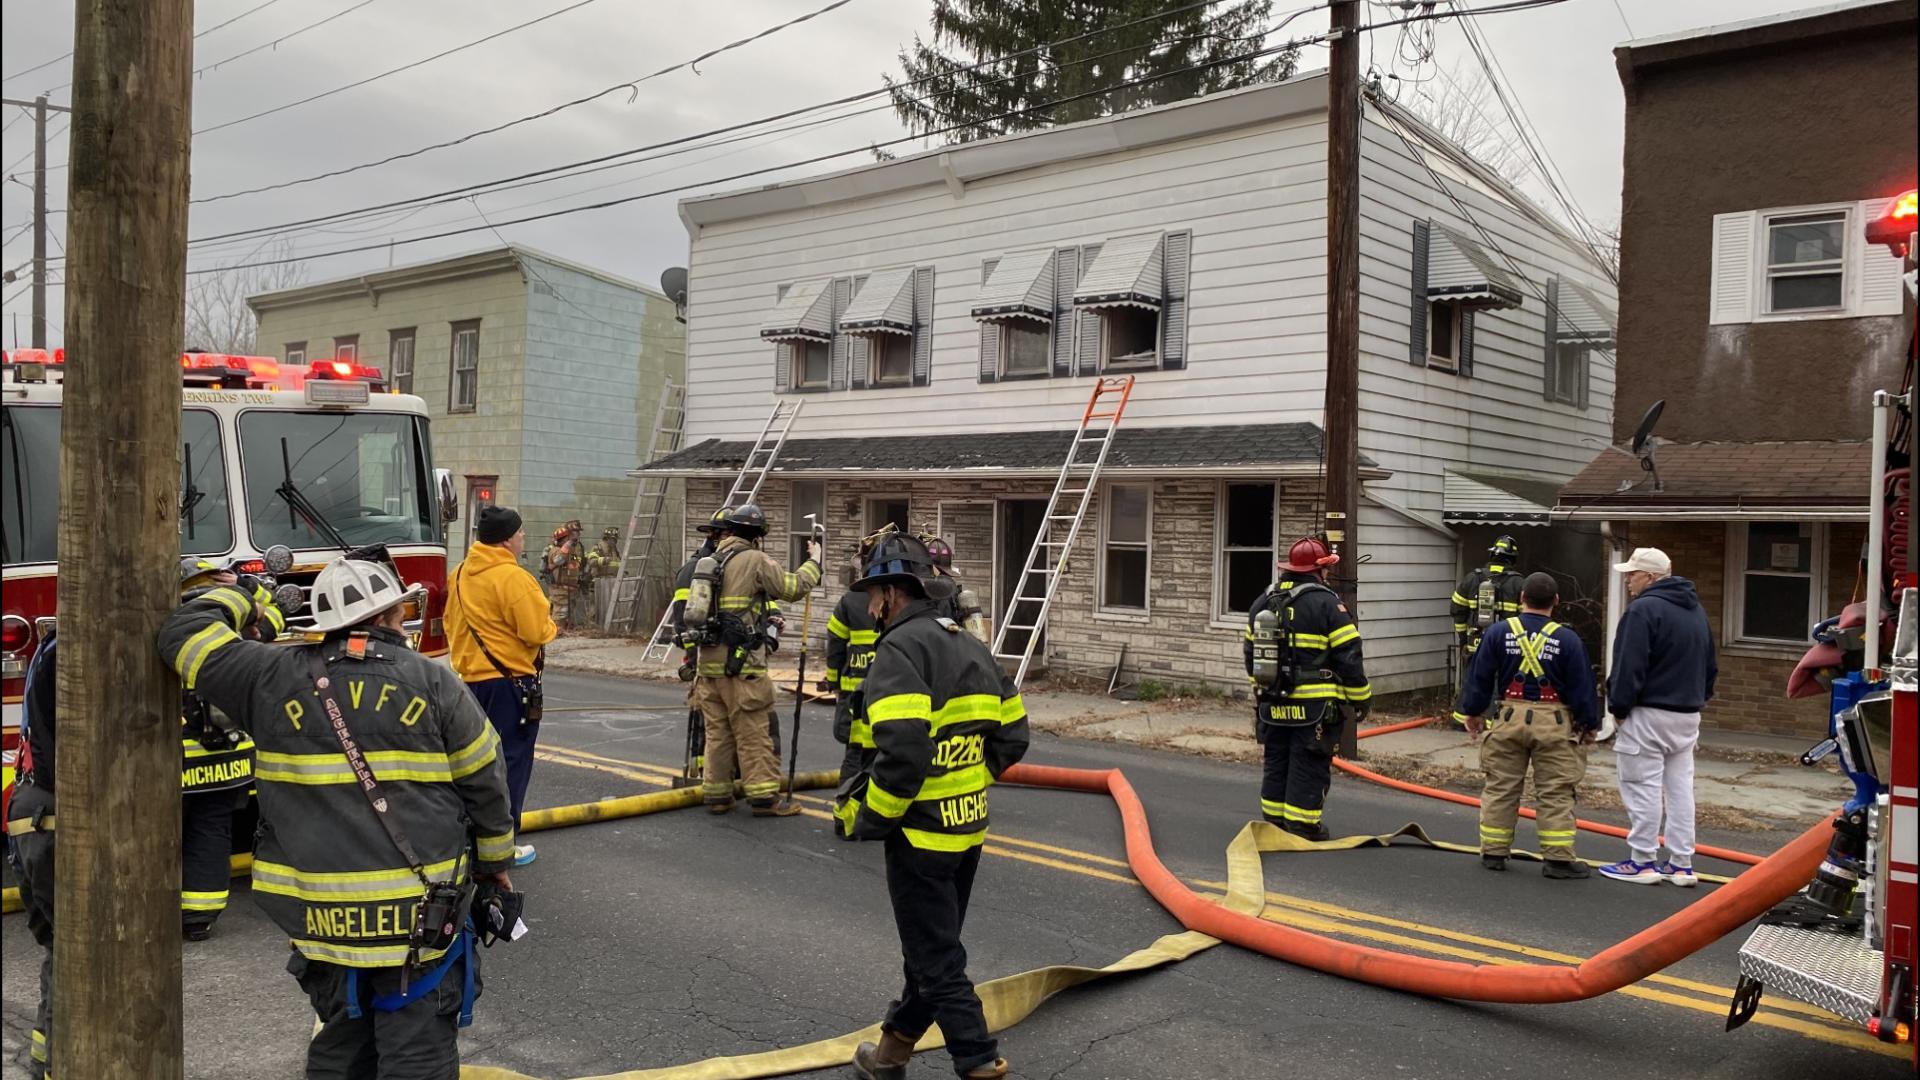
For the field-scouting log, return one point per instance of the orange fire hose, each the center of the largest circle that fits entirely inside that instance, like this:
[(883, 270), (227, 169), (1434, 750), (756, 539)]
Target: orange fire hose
[(1774, 879)]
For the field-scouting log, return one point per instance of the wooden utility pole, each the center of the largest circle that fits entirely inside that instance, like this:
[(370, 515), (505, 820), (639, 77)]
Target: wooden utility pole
[(40, 110), (117, 889), (1343, 306)]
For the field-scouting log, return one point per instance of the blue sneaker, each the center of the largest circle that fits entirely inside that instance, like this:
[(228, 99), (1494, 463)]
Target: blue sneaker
[(1639, 873), (1682, 876), (523, 855)]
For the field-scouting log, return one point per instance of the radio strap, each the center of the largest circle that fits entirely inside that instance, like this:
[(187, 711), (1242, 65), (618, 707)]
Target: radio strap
[(357, 761)]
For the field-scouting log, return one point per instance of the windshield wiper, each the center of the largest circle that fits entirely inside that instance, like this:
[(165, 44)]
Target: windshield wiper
[(298, 503), (190, 496)]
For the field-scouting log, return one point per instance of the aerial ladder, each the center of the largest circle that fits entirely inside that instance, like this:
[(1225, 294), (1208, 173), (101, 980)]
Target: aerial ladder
[(1066, 509)]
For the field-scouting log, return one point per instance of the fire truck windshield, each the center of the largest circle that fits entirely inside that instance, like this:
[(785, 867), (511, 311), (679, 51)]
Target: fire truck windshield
[(365, 473)]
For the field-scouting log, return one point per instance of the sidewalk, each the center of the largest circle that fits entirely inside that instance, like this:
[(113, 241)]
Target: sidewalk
[(1740, 781)]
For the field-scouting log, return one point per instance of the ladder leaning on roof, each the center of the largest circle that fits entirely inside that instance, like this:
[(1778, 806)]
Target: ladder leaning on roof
[(649, 505), (746, 487), (1072, 493)]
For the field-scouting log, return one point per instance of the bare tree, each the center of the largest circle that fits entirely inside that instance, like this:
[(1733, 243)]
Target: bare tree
[(1460, 105), (218, 318)]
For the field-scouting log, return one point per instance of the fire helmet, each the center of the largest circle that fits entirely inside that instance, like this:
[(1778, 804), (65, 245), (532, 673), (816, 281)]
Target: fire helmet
[(351, 591), (1505, 545), (1309, 555), (715, 523), (194, 570), (747, 520), (941, 553), (897, 560)]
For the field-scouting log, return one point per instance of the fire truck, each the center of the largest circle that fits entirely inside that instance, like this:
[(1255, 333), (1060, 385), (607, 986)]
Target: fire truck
[(320, 458), (1850, 941)]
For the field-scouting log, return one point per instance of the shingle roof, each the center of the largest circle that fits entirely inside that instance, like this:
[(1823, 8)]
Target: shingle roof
[(1724, 475), (1184, 448)]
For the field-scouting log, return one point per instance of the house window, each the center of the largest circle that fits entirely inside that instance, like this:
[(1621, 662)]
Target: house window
[(1806, 261), (1443, 336), (892, 359), (465, 365), (1026, 348), (400, 360), (296, 354), (1247, 523), (1123, 557), (809, 497), (812, 364), (882, 512), (1129, 338), (347, 348), (1779, 571), (1569, 365)]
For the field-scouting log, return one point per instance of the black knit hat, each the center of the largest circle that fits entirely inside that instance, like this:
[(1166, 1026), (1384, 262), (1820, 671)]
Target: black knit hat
[(497, 525)]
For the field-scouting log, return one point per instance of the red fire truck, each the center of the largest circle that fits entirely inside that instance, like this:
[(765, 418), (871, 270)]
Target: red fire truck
[(318, 458)]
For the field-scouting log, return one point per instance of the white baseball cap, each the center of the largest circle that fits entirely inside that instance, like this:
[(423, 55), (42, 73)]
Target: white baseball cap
[(1647, 560)]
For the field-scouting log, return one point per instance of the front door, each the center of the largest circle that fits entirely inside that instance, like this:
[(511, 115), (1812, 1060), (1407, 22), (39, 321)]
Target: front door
[(1019, 522)]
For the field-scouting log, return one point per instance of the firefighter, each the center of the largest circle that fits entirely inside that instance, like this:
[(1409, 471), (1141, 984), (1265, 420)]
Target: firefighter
[(1486, 596), (690, 643), (946, 724), (1533, 672), (563, 564), (30, 825), (851, 636), (731, 689), (1302, 653), (362, 871), (602, 562)]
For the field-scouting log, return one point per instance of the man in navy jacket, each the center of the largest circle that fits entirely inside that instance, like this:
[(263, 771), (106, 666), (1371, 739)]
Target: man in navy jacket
[(1663, 672)]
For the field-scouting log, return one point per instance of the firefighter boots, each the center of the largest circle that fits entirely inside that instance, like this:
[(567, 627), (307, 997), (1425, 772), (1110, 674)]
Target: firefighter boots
[(1565, 870), (1493, 862), (887, 1061), (775, 808)]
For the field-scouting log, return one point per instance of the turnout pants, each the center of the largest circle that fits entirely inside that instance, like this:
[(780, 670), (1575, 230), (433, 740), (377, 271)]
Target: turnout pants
[(1540, 735), (500, 700), (419, 1042), (1298, 770), (737, 712), (32, 857), (206, 848), (1655, 755), (929, 891)]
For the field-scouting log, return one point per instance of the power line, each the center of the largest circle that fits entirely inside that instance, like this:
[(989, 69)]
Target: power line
[(203, 33), (277, 42), (1623, 17)]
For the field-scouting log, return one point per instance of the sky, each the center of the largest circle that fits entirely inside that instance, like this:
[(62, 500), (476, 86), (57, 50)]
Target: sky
[(1557, 59)]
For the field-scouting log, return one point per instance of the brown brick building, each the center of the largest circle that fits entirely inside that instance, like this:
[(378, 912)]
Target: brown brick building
[(1753, 307)]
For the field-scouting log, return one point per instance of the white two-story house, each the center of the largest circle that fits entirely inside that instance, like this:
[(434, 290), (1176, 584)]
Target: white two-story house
[(944, 317)]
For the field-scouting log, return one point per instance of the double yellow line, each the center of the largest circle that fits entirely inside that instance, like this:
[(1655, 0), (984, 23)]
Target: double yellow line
[(1780, 1013)]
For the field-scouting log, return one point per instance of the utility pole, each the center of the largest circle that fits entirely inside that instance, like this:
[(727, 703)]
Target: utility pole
[(117, 889), (1343, 307), (40, 110)]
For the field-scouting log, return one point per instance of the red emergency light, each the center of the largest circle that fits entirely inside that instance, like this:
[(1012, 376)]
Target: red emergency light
[(1896, 227), (14, 634), (37, 356), (250, 566), (344, 369)]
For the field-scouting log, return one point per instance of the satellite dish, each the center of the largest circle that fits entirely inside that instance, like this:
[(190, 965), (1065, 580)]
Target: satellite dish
[(673, 282), (1644, 432)]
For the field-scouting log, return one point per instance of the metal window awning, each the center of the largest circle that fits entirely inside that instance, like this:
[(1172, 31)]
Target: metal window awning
[(1585, 317), (884, 304), (1488, 499), (1020, 287), (1126, 274), (804, 314), (1462, 271)]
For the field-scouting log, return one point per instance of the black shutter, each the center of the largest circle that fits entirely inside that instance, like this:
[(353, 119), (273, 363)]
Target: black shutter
[(842, 351), (922, 325), (1088, 329), (1176, 259), (1066, 276), (1466, 343), (989, 333), (782, 354), (1550, 351), (1417, 318)]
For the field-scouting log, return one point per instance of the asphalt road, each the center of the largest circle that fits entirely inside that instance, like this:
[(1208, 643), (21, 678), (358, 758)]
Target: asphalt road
[(671, 938)]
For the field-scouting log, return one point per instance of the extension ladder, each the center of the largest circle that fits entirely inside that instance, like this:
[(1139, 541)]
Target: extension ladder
[(1047, 561), (746, 487), (649, 505)]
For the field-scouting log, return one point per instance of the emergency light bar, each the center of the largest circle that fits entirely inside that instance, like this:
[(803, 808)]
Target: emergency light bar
[(1896, 227)]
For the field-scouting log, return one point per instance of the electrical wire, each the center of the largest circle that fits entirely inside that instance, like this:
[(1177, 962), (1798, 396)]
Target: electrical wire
[(197, 36), (51, 137)]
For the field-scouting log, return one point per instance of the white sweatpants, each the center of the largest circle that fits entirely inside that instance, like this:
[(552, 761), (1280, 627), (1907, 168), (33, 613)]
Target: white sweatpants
[(1655, 759)]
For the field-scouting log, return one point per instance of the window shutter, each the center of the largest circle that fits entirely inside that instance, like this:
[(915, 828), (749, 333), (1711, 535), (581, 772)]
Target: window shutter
[(782, 354), (1466, 343), (1732, 290), (1586, 373), (989, 334), (1176, 262), (843, 344), (1550, 341), (859, 361), (1417, 301), (1877, 270), (1066, 277), (922, 325), (1088, 328)]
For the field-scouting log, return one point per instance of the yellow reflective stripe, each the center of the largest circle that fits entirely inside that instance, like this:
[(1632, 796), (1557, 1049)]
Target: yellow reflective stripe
[(393, 883), (1344, 634), (1313, 692), (967, 708), (495, 849), (836, 627), (361, 956), (1013, 710), (1461, 600), (961, 782), (203, 901), (237, 603), (1363, 692), (190, 749), (735, 603), (900, 707), (1556, 834), (936, 841), (852, 682), (200, 646), (861, 735), (1309, 641), (393, 765), (1461, 718), (886, 803), (1300, 814), (1497, 834), (1531, 647), (475, 756), (1272, 809), (681, 595), (832, 676), (864, 637)]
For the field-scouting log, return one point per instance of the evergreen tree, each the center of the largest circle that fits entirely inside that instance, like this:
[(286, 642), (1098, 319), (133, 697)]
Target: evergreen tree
[(1218, 41)]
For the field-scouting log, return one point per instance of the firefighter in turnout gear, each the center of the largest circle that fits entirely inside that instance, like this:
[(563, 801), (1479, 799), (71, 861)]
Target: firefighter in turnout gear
[(1488, 595), (851, 636), (731, 606), (383, 803), (603, 562), (946, 724), (1533, 674), (564, 565), (30, 825), (1302, 654), (689, 643)]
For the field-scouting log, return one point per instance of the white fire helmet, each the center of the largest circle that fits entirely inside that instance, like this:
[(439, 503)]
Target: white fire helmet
[(351, 591)]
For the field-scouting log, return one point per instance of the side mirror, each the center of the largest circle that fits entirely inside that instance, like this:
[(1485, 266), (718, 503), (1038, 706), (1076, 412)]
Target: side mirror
[(449, 496), (278, 559), (289, 598)]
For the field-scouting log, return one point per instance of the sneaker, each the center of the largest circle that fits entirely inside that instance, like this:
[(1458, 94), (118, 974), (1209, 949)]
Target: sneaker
[(1682, 876), (1639, 873), (523, 854)]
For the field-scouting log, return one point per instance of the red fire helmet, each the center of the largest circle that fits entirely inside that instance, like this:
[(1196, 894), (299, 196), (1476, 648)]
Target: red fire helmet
[(1308, 555)]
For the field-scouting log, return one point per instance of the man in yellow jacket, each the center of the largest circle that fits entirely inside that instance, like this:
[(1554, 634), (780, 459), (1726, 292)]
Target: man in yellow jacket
[(498, 624)]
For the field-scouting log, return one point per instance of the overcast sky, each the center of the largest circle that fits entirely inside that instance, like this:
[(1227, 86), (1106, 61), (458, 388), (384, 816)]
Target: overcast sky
[(1559, 60)]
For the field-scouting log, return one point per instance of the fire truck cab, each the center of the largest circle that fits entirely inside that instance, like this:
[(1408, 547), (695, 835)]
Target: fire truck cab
[(319, 458)]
